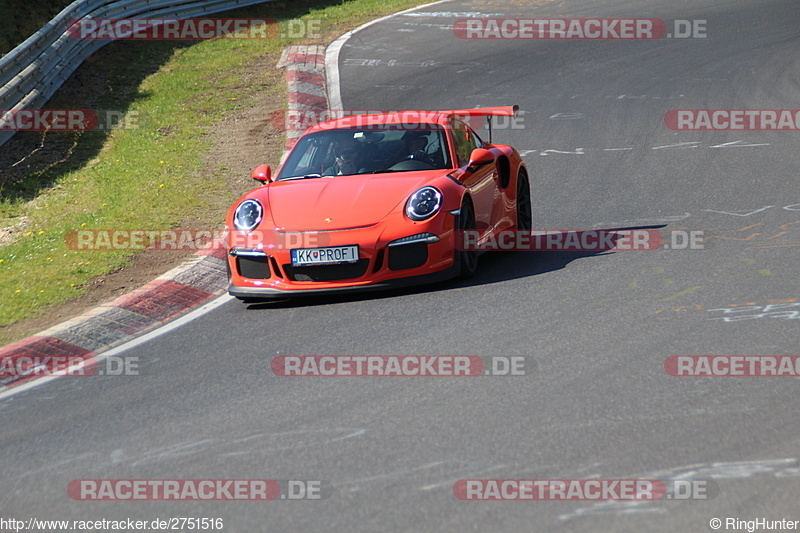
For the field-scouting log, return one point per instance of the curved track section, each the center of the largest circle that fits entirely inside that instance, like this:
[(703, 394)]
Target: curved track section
[(596, 328)]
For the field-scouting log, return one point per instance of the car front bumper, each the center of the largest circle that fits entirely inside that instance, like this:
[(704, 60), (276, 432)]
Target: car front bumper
[(389, 257), (271, 293)]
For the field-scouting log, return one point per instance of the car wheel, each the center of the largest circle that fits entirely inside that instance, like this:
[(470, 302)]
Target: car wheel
[(467, 259), (524, 211)]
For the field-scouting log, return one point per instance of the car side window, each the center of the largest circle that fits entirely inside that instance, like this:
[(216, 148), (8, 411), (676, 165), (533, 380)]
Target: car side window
[(465, 141)]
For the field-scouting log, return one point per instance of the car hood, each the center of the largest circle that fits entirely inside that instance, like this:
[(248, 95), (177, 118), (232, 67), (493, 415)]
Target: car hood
[(342, 201)]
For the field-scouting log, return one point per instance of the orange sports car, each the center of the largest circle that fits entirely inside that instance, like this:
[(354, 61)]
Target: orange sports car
[(372, 202)]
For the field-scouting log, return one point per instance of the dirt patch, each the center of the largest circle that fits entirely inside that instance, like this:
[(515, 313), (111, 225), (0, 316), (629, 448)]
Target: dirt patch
[(248, 138), (8, 234)]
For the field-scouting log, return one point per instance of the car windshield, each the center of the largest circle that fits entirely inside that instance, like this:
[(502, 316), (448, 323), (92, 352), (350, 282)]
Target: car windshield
[(373, 149)]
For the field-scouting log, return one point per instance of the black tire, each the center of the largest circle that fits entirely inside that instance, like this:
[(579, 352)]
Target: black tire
[(524, 211), (467, 259)]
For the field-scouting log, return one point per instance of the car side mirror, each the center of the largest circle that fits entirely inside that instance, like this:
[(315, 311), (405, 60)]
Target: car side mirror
[(478, 158), (262, 173)]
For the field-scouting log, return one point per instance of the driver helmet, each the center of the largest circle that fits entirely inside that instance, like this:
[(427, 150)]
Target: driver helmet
[(346, 150), (416, 142)]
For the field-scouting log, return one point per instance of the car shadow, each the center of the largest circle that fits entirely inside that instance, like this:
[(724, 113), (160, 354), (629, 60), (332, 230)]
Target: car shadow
[(493, 267)]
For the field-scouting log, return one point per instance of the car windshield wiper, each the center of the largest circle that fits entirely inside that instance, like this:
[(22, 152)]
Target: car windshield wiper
[(384, 171), (307, 176)]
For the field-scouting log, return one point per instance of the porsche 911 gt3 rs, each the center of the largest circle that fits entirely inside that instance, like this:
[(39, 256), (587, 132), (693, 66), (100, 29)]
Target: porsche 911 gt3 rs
[(375, 201)]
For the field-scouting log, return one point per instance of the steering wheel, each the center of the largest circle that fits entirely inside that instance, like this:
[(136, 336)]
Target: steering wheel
[(412, 164)]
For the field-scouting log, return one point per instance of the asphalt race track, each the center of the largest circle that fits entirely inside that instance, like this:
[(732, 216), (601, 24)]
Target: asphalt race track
[(594, 328)]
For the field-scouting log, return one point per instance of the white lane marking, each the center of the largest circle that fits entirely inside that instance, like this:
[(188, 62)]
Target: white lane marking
[(354, 434), (578, 151), (567, 116), (692, 144), (738, 144), (745, 214), (175, 324), (332, 56)]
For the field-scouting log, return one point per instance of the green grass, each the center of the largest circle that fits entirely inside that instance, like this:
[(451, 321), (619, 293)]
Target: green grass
[(144, 177)]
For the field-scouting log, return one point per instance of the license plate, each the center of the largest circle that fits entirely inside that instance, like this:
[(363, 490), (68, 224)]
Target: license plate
[(321, 256)]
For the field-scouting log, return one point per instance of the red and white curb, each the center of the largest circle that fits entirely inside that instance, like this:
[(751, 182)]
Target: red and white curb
[(305, 76), (167, 297)]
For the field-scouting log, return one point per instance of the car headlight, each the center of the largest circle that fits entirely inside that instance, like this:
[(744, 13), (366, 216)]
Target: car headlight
[(248, 215), (424, 203)]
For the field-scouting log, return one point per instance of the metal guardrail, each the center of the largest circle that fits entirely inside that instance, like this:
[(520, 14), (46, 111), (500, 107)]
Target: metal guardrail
[(33, 71)]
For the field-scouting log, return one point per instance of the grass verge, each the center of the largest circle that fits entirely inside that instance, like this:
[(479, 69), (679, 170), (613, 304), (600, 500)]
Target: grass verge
[(142, 177)]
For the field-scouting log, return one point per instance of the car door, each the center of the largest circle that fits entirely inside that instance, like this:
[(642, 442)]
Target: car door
[(481, 183)]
